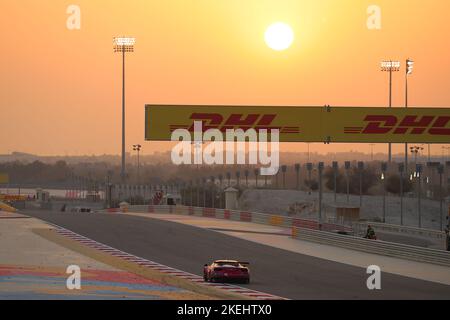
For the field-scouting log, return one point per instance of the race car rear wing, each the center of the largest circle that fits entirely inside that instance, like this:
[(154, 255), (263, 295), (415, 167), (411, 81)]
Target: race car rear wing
[(245, 264)]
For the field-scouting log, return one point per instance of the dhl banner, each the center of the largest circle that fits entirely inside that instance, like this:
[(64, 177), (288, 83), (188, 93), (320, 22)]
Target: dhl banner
[(307, 124)]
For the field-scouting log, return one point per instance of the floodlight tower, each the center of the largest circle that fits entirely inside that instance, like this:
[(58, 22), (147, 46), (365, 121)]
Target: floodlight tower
[(123, 45), (390, 66)]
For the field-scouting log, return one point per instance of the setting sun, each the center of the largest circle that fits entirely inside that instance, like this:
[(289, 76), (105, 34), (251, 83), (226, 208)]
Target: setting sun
[(279, 36)]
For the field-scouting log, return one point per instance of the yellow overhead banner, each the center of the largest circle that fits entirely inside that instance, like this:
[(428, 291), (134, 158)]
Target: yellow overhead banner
[(307, 124)]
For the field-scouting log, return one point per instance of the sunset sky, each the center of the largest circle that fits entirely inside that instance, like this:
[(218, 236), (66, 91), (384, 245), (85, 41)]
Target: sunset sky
[(60, 89)]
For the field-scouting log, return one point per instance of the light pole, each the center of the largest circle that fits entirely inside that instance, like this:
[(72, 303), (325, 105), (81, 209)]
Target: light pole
[(371, 151), (401, 169), (321, 166), (108, 196), (181, 191), (276, 180), (383, 178), (198, 146), (197, 185), (419, 192), (123, 45), (441, 196), (191, 193), (137, 148), (297, 172), (409, 70), (335, 172), (213, 196), (220, 191), (416, 151), (390, 66), (309, 156), (204, 181), (445, 153), (361, 171), (347, 168), (283, 170), (309, 168)]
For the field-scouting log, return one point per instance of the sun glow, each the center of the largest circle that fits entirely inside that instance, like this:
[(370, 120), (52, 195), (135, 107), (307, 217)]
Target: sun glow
[(279, 36)]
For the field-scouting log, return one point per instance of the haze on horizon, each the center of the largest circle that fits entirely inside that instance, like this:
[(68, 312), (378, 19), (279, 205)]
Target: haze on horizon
[(60, 90)]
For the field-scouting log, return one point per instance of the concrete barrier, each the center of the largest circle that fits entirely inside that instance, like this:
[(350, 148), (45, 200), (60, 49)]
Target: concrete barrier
[(237, 215), (361, 227), (358, 228), (396, 250)]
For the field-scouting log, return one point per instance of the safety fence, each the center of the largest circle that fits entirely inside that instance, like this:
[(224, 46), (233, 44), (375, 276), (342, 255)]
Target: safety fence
[(396, 250)]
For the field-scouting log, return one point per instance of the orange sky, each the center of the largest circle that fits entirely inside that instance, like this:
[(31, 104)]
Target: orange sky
[(60, 89)]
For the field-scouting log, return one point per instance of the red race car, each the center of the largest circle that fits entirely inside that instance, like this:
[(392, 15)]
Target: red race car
[(227, 271)]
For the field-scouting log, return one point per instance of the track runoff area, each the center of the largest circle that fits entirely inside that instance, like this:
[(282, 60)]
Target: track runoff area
[(182, 250)]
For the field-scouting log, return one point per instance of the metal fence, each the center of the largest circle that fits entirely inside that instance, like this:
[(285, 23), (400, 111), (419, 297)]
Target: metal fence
[(350, 183)]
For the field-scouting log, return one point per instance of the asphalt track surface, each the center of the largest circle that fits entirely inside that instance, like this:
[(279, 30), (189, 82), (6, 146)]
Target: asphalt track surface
[(275, 271)]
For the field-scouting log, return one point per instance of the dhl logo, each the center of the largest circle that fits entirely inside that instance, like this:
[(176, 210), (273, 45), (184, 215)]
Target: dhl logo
[(415, 125), (377, 124), (236, 121)]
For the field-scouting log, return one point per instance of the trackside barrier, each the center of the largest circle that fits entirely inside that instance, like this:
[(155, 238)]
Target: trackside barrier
[(209, 212), (396, 250), (361, 227), (237, 215), (308, 230)]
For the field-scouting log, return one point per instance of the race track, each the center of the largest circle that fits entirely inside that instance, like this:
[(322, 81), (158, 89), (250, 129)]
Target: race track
[(275, 271)]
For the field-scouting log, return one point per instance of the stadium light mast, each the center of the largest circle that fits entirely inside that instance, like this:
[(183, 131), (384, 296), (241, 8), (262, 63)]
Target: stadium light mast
[(409, 70), (123, 45), (390, 66)]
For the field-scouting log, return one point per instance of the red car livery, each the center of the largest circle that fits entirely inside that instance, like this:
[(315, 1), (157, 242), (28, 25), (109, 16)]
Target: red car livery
[(227, 271)]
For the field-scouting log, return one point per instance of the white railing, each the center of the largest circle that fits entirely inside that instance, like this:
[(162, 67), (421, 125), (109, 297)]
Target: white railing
[(429, 233), (396, 250)]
